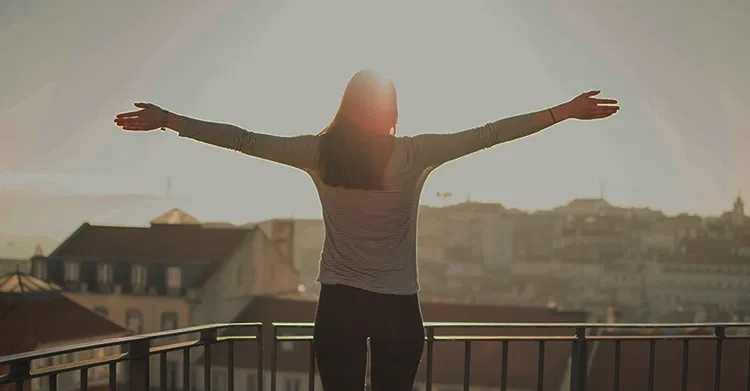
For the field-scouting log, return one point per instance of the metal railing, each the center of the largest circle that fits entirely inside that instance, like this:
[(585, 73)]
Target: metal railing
[(139, 349), (580, 336), (137, 353)]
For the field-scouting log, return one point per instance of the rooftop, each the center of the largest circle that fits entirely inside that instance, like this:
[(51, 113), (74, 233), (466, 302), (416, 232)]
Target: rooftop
[(35, 313), (169, 243)]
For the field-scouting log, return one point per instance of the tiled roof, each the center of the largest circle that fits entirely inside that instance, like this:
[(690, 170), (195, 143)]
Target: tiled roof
[(448, 356), (22, 283), (179, 243), (30, 319), (668, 359)]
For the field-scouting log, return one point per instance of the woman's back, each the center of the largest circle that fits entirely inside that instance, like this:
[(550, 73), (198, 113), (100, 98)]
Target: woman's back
[(370, 240)]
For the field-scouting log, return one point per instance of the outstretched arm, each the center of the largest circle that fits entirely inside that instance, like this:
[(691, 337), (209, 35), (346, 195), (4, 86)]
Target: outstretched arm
[(432, 150), (296, 151)]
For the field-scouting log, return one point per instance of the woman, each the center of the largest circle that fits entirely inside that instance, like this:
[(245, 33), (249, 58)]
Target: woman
[(369, 183)]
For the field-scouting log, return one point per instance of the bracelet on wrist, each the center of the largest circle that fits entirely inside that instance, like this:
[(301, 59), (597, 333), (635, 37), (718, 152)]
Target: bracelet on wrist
[(164, 119)]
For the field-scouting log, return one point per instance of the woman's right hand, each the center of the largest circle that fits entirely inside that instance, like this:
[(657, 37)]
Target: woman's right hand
[(148, 118)]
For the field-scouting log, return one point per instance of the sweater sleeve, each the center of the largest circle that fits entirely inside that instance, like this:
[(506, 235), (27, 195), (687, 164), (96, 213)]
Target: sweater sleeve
[(431, 150), (296, 151)]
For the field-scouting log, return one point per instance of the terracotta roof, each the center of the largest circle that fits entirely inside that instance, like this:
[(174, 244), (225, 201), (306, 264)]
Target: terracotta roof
[(668, 365), (179, 243), (448, 356), (27, 318)]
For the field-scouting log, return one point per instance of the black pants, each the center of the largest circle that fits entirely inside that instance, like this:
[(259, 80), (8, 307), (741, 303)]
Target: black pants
[(346, 317)]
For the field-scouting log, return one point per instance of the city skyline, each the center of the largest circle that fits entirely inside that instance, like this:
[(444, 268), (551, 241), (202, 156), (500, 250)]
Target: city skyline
[(23, 212)]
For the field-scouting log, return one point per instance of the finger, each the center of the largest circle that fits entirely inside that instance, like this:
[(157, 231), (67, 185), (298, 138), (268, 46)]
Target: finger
[(605, 101), (604, 114), (143, 105), (129, 114), (128, 121), (591, 93)]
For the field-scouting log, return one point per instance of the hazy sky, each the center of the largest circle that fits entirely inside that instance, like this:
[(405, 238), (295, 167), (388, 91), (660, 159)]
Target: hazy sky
[(679, 68)]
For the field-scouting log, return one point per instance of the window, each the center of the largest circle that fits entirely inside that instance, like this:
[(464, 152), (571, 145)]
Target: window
[(103, 273), (40, 269), (168, 321), (72, 271), (134, 321), (138, 276), (174, 277), (101, 310), (218, 380), (252, 382), (292, 384)]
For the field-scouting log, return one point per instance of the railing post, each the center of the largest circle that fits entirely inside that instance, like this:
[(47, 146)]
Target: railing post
[(720, 333), (579, 361), (19, 372), (208, 337), (274, 358), (260, 343), (430, 346), (138, 364)]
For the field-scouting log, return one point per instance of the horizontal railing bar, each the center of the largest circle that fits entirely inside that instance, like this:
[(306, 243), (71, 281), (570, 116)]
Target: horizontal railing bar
[(561, 338), (437, 325), (294, 337), (67, 367), (90, 363), (647, 337), (462, 338), (37, 354), (490, 338), (239, 338), (176, 346)]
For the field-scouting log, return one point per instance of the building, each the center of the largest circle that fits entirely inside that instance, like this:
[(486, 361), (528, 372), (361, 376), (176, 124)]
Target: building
[(535, 235), (294, 357), (699, 281), (301, 241), (467, 233), (166, 276), (35, 315)]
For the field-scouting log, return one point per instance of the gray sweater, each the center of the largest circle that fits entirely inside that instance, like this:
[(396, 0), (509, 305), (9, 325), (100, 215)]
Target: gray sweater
[(370, 236)]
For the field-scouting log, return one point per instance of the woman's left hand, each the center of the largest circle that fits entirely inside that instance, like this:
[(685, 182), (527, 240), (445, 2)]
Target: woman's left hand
[(587, 107)]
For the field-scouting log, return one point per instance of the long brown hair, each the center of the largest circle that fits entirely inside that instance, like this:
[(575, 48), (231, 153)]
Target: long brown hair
[(356, 146)]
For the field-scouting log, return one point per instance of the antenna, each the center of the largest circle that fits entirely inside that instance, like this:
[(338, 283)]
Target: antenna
[(601, 190)]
